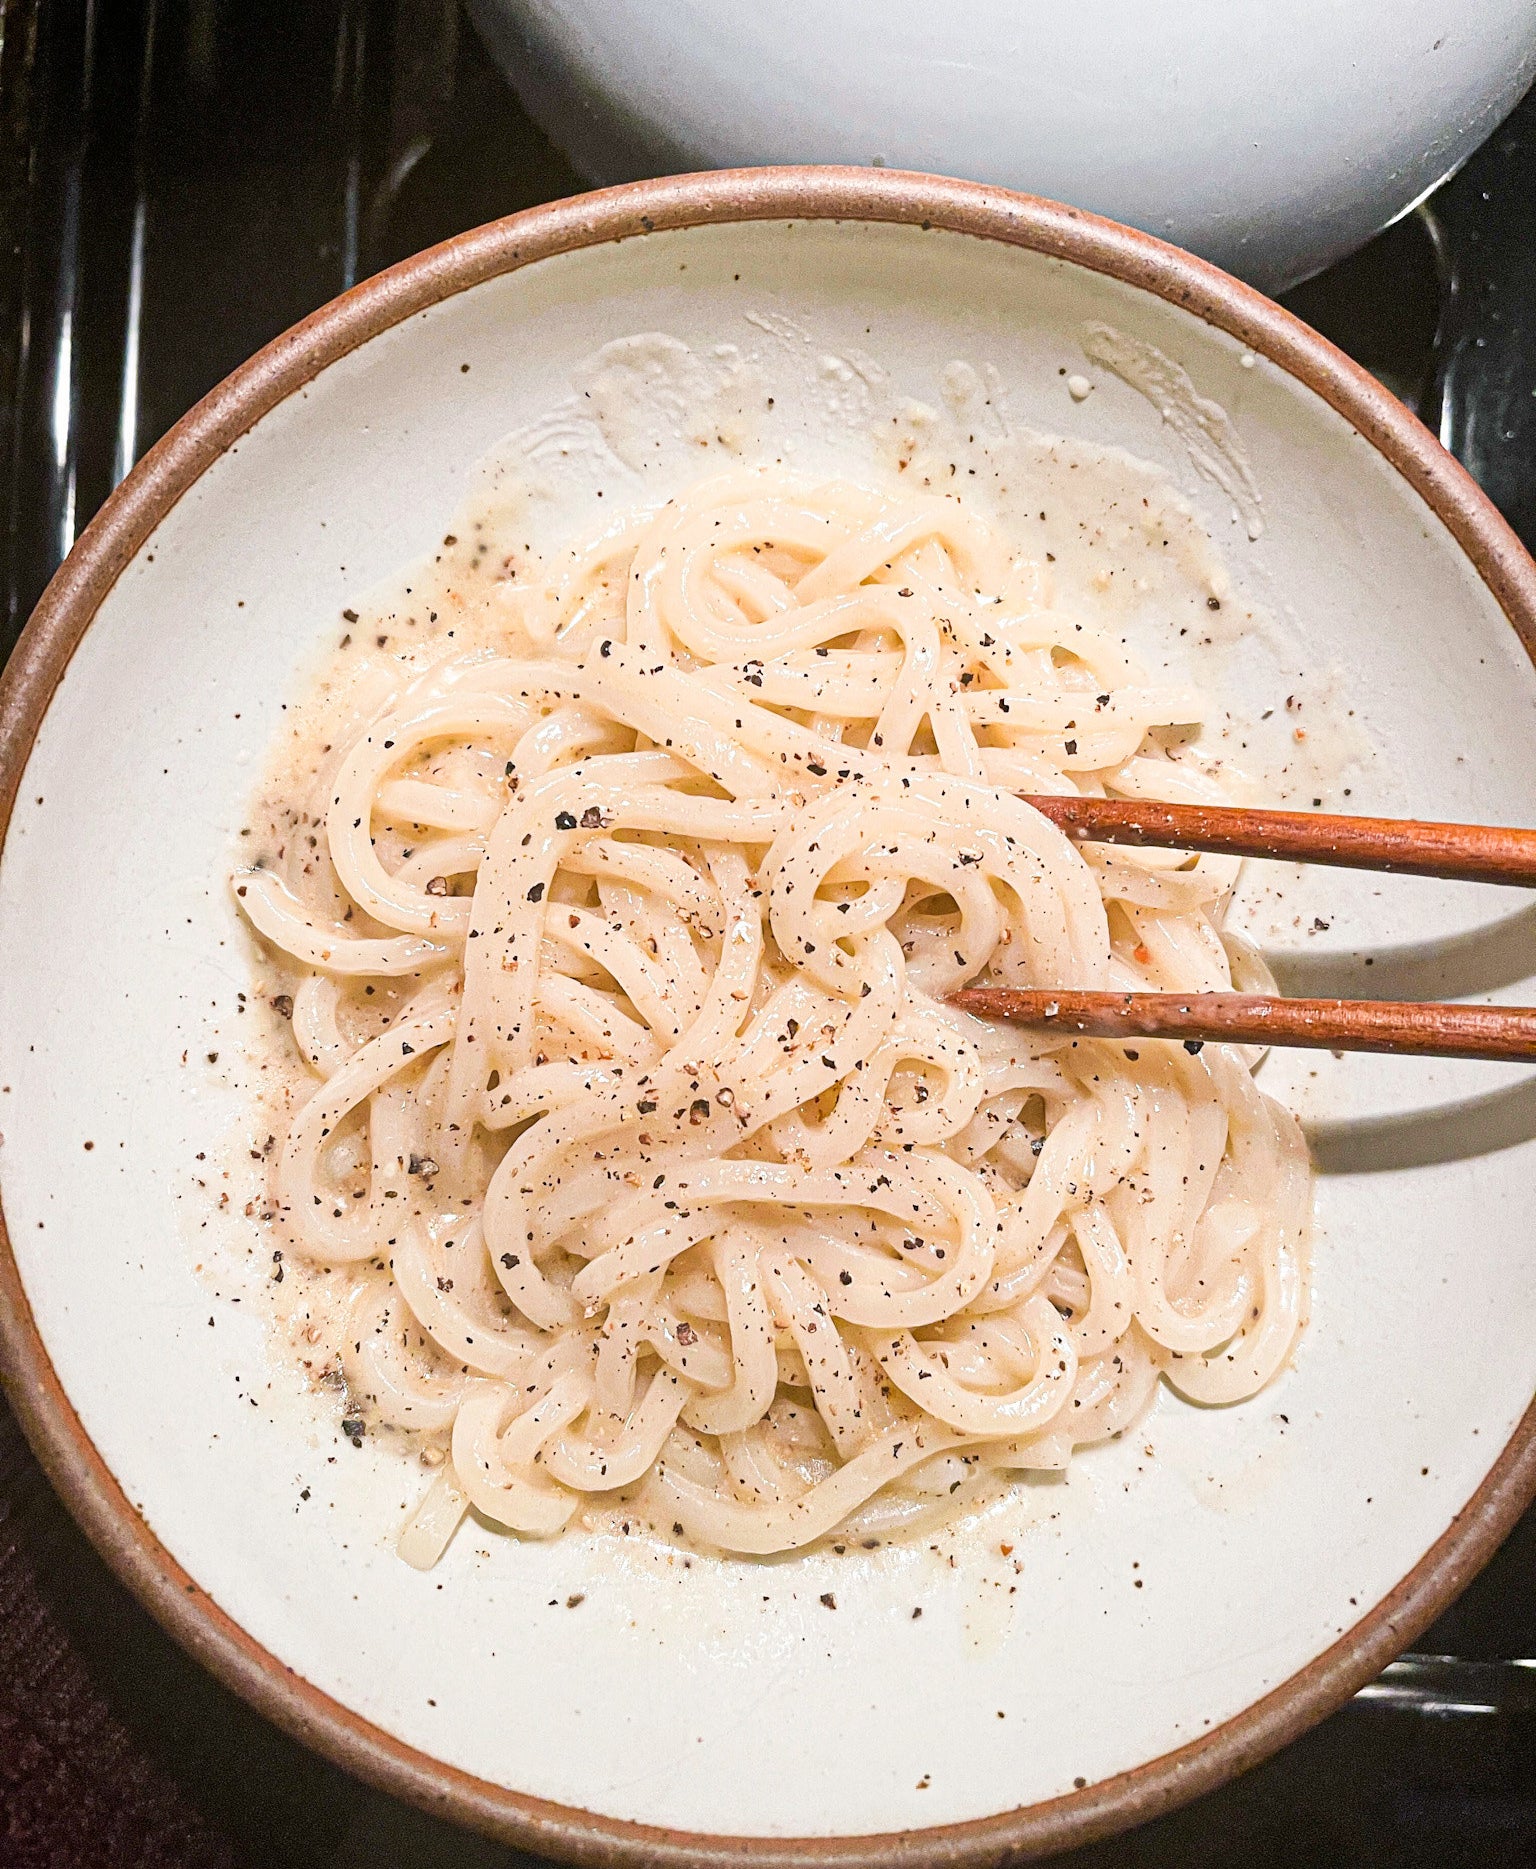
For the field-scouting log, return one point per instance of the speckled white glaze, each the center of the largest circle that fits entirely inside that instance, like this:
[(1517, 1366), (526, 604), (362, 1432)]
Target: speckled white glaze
[(1145, 1597)]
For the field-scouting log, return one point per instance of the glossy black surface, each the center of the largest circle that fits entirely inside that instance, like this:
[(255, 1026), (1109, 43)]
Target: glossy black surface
[(180, 180)]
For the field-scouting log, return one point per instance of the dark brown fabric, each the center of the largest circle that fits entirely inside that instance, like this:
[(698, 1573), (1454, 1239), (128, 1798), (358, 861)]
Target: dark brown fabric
[(75, 1784)]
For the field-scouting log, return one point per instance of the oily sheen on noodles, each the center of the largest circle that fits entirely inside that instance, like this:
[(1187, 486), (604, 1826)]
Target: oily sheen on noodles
[(666, 1176)]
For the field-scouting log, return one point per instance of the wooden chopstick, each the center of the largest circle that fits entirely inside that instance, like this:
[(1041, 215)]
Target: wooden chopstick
[(1464, 852), (1435, 1031), (1467, 852)]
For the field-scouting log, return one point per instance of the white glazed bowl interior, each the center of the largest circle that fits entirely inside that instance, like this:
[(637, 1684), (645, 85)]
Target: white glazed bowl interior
[(1156, 1595)]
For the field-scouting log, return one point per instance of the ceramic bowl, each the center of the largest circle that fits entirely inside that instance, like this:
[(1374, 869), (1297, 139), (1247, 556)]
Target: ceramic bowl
[(1271, 139), (1092, 1650)]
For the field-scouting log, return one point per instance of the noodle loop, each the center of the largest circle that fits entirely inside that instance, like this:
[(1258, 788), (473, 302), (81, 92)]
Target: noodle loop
[(665, 1173)]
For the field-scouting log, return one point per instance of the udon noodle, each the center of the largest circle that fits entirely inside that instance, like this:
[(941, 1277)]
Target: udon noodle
[(664, 1172)]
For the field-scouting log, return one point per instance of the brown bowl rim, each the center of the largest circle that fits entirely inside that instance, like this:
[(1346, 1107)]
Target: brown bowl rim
[(66, 610)]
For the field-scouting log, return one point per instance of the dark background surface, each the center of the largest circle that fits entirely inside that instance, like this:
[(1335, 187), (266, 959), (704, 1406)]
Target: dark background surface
[(179, 181)]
